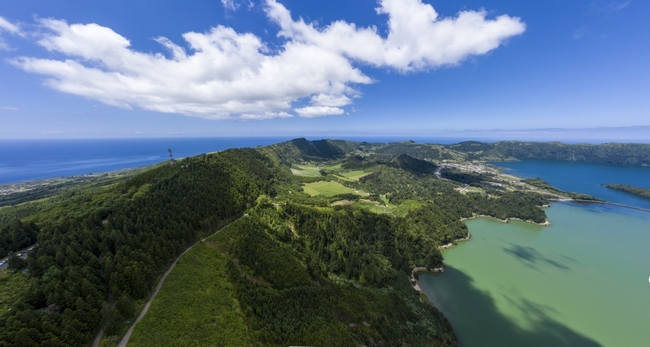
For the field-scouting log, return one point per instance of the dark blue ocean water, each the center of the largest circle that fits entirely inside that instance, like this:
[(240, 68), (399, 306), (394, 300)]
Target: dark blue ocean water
[(586, 178), (23, 160)]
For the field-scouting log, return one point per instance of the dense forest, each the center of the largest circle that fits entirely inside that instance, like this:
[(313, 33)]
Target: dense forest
[(285, 280), (612, 153), (101, 251), (98, 251)]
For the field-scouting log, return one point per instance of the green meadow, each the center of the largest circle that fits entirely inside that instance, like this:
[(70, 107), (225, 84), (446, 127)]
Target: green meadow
[(400, 210), (305, 170), (351, 176), (311, 170), (372, 206), (329, 189)]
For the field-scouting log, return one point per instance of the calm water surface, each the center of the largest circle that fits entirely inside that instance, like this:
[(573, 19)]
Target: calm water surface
[(585, 178), (22, 160), (583, 281)]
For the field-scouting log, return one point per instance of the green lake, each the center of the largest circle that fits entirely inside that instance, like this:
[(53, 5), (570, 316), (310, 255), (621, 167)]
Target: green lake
[(583, 281)]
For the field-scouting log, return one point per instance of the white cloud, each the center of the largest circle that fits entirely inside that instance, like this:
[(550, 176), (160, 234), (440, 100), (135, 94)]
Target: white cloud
[(8, 108), (417, 39), (233, 5), (330, 100), (230, 5), (227, 73), (224, 74), (265, 115), (318, 111), (6, 26)]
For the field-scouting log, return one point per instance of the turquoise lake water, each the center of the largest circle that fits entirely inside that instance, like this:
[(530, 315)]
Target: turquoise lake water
[(583, 281)]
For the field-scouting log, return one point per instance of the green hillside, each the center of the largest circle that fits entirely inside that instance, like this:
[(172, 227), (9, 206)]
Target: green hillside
[(297, 270), (612, 153)]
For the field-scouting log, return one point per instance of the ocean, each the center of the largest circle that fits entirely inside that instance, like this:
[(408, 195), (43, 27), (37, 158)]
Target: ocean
[(23, 160)]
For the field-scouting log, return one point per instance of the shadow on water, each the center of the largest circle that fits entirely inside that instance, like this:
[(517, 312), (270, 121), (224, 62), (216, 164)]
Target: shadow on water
[(532, 257), (478, 322)]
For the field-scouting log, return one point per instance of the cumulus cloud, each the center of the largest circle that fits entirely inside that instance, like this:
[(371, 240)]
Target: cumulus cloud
[(318, 111), (223, 74), (417, 38), (6, 26)]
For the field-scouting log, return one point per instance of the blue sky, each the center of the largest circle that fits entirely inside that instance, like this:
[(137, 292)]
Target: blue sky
[(485, 69)]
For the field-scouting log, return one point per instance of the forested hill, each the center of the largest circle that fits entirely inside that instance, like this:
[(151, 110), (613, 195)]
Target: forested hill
[(319, 150), (333, 231), (101, 251), (613, 153)]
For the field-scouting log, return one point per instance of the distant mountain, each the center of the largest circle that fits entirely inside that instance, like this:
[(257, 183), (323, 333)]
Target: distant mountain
[(612, 153)]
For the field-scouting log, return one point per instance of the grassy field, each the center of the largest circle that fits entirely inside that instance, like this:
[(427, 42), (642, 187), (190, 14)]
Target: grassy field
[(195, 306), (342, 203), (372, 206), (11, 284), (347, 175), (398, 210), (305, 170), (333, 167), (329, 188), (355, 175), (406, 206)]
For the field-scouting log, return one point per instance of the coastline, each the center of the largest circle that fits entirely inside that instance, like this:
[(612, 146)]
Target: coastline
[(441, 270), (545, 223), (438, 270), (421, 269), (454, 242), (597, 225)]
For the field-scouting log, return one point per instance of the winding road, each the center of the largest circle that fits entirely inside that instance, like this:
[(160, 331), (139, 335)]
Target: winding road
[(127, 336)]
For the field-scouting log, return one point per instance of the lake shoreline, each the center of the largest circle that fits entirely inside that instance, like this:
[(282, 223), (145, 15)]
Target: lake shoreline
[(510, 265), (417, 270), (507, 220), (414, 278)]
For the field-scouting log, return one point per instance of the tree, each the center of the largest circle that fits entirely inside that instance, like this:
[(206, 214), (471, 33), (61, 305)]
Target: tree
[(16, 263)]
